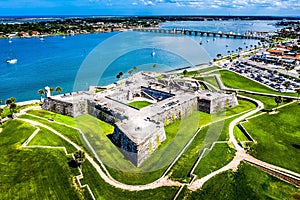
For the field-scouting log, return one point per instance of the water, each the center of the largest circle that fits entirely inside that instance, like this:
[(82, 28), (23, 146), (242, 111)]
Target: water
[(236, 26), (56, 61)]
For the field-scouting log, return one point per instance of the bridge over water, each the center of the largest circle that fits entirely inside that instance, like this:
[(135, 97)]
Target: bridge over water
[(201, 33)]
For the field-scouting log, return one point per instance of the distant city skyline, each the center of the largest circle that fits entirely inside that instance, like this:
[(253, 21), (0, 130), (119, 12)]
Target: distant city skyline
[(150, 7)]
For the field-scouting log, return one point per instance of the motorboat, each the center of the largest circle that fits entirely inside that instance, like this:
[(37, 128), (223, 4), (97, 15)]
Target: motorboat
[(12, 61), (153, 53)]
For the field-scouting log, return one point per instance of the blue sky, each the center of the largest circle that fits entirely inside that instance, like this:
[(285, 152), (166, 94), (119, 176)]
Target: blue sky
[(150, 7)]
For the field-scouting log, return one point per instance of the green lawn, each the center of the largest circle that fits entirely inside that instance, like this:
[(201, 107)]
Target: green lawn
[(140, 104), (33, 173), (278, 133), (269, 102), (47, 138), (51, 115), (197, 72), (209, 79), (233, 80), (239, 135), (217, 131), (102, 190), (247, 183), (218, 157), (70, 133)]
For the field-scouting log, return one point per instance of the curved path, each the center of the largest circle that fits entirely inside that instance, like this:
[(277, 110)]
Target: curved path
[(164, 181), (240, 152)]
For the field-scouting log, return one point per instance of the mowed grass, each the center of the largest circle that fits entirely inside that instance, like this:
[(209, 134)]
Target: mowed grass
[(209, 79), (103, 190), (34, 173), (233, 80), (247, 183), (269, 102), (218, 157), (47, 138), (140, 104), (51, 115), (278, 137), (70, 133), (217, 131)]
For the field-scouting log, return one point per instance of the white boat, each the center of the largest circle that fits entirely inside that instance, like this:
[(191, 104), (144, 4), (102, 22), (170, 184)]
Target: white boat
[(153, 53), (42, 38), (12, 61), (64, 37), (10, 40)]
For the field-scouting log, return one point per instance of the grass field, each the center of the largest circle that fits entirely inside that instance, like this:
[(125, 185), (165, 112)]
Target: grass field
[(51, 115), (239, 135), (47, 138), (140, 104), (278, 133), (247, 183), (218, 157), (70, 133), (197, 72), (33, 173), (103, 190), (233, 80), (269, 102), (209, 79)]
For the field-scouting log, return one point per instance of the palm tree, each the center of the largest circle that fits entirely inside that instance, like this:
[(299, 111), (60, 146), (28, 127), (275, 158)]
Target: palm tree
[(58, 89), (278, 100), (8, 102), (185, 72), (41, 93), (13, 99), (12, 108), (130, 71), (79, 157), (51, 90)]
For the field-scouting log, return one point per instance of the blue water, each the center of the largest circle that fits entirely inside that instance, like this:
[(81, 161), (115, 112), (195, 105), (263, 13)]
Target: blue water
[(236, 26), (56, 61)]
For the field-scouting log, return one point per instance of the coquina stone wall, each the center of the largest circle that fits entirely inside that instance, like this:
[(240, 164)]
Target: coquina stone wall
[(137, 153)]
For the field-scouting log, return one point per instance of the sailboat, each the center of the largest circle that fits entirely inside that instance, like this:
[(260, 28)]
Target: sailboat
[(10, 40)]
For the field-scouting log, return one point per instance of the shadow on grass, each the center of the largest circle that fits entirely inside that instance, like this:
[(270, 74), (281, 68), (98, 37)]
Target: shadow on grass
[(72, 164)]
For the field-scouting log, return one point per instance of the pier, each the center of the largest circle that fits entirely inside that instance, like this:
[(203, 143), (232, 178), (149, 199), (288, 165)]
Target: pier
[(200, 33)]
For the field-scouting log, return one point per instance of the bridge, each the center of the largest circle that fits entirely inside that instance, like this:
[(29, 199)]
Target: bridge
[(200, 33)]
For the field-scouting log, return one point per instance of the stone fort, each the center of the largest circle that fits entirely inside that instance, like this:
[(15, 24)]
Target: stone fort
[(139, 132)]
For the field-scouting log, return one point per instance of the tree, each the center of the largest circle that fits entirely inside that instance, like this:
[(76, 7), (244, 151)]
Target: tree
[(51, 90), (135, 68), (8, 102), (58, 89), (219, 55), (286, 85), (185, 72), (12, 108), (13, 99), (278, 100), (79, 157), (41, 93), (298, 92)]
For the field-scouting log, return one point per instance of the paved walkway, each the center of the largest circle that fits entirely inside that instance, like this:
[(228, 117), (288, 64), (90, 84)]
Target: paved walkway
[(164, 181)]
